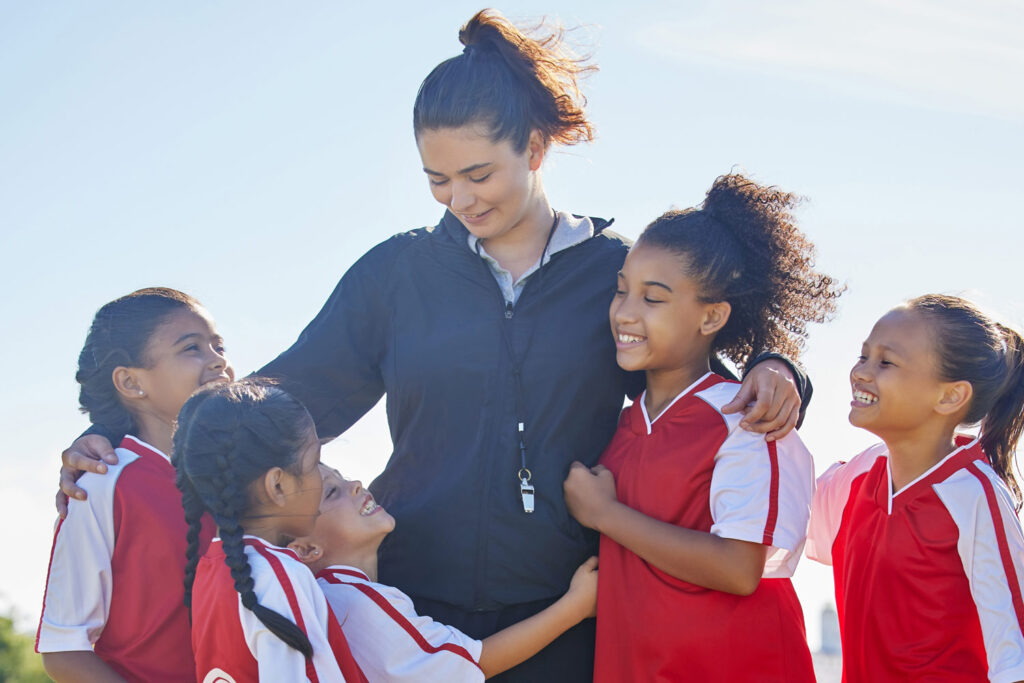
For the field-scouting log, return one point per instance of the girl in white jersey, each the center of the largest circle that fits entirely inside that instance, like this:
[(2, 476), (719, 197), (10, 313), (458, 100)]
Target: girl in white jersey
[(391, 642), (247, 454)]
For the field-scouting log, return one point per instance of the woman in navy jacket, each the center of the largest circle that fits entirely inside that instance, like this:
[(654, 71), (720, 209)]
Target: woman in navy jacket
[(489, 335)]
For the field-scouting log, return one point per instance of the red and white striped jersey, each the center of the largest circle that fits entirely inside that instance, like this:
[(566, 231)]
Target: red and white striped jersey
[(232, 645), (927, 579), (694, 467), (115, 581), (390, 641)]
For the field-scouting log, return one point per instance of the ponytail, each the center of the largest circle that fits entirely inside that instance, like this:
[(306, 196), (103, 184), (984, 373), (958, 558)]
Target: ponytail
[(742, 246), (974, 348), (510, 83), (227, 437), (1002, 426)]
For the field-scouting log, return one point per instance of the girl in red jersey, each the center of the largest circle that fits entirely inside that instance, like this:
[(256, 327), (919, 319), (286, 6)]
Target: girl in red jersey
[(247, 453), (392, 642), (113, 605), (702, 522), (922, 529)]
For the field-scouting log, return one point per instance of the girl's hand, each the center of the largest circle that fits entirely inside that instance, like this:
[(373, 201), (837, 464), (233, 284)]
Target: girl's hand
[(89, 453), (583, 588), (776, 402), (588, 493)]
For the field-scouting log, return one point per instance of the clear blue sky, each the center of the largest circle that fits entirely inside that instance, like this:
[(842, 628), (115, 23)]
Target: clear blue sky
[(249, 152)]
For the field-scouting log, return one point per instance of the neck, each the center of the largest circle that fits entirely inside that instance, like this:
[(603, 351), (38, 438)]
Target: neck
[(265, 528), (522, 246), (363, 558), (155, 431), (914, 452), (665, 385)]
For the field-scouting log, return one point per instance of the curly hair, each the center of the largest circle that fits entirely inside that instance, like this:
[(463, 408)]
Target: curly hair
[(742, 246), (508, 81), (227, 437)]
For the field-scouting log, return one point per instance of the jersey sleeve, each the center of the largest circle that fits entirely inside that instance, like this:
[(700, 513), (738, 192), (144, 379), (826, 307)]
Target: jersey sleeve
[(761, 493), (334, 365), (392, 642), (991, 548), (79, 584), (289, 589), (831, 494)]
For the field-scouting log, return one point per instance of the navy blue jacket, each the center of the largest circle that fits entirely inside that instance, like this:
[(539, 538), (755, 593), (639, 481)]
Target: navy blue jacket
[(419, 318)]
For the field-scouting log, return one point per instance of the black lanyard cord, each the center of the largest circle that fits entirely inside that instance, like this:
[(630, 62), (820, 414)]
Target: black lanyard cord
[(524, 475)]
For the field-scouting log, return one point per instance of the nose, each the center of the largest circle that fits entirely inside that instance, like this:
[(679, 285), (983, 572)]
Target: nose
[(622, 310), (463, 197), (218, 359), (859, 372), (357, 487)]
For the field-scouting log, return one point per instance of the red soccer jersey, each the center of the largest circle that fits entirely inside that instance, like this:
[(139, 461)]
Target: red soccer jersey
[(233, 646), (928, 578), (116, 576), (694, 467)]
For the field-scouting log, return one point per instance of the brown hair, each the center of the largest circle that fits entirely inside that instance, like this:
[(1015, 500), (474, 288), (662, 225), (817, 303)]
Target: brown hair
[(974, 348), (509, 82), (742, 246)]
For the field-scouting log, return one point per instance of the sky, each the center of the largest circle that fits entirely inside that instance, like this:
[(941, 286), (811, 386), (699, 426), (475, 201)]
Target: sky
[(249, 152)]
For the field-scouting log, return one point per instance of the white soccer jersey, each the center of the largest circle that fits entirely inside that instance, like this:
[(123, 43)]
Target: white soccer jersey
[(231, 643), (389, 640)]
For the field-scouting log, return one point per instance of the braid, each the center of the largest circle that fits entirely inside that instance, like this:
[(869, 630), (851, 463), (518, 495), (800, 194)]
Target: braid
[(227, 436), (194, 509)]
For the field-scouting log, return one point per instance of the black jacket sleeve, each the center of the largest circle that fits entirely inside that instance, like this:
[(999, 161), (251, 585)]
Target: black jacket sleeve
[(334, 366), (802, 379)]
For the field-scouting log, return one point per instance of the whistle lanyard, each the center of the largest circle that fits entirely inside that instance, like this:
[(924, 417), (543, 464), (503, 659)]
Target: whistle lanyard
[(526, 489)]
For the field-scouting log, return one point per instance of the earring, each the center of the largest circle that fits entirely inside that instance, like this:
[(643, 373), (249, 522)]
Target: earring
[(141, 392)]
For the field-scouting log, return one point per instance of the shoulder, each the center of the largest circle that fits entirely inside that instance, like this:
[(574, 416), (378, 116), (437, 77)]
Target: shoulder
[(975, 488), (837, 479), (393, 249), (716, 391), (98, 485)]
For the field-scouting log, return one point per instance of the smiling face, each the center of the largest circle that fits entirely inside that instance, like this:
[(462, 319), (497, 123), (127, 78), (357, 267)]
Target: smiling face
[(183, 353), (351, 522), (491, 188), (895, 381), (657, 318)]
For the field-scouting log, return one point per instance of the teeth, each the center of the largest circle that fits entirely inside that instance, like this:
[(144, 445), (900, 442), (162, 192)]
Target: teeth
[(629, 338), (864, 397), (369, 506)]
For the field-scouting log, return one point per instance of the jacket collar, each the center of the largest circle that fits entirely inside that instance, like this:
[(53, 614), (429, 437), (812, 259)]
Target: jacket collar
[(454, 228)]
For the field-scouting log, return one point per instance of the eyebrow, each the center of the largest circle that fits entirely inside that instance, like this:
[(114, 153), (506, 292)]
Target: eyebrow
[(461, 171), (216, 337), (655, 283), (186, 336)]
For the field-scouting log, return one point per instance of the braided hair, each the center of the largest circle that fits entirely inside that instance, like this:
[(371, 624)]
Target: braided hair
[(742, 246), (118, 337), (227, 437)]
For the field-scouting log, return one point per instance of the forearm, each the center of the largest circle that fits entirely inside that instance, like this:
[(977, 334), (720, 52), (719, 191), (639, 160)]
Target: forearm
[(519, 642), (698, 557), (82, 666)]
